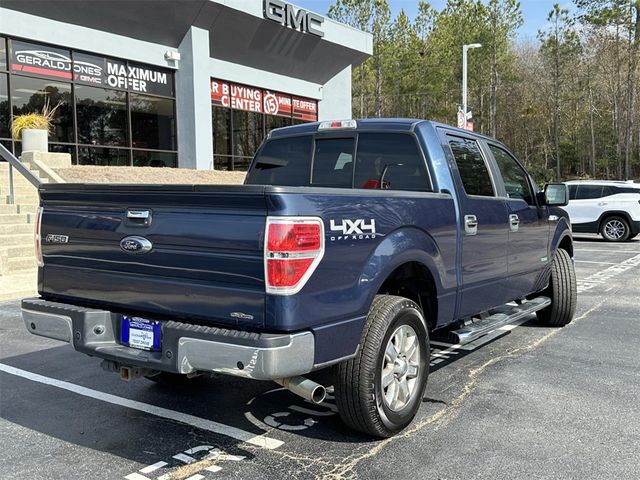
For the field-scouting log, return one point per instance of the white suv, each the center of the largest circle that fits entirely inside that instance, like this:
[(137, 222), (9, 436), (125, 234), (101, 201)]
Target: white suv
[(609, 208)]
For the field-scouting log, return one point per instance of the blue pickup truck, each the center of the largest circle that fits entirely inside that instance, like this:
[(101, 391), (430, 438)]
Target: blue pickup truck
[(348, 246)]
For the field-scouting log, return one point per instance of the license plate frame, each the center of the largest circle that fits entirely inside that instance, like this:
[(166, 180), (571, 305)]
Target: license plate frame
[(141, 333)]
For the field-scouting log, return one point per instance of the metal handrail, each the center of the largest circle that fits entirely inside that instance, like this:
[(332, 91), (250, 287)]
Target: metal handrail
[(18, 165)]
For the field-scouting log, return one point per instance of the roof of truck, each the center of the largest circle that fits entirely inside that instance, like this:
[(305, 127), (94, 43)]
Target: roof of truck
[(402, 124)]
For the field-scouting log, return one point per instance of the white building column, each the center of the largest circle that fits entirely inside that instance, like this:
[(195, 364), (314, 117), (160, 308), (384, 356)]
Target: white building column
[(336, 97), (193, 102)]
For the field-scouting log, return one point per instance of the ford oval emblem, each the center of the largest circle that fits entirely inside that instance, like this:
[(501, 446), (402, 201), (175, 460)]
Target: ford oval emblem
[(135, 245)]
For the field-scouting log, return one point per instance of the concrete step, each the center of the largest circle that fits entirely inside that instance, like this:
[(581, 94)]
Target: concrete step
[(16, 240), (18, 285), (14, 218), (8, 209), (26, 208), (24, 199), (18, 251), (15, 229), (22, 190), (18, 187), (17, 264)]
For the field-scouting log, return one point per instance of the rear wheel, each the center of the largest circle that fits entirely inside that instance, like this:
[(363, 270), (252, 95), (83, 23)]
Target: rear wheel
[(562, 291), (615, 229), (380, 390)]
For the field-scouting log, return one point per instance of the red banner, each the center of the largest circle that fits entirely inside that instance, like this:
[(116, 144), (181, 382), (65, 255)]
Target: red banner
[(277, 104), (305, 109), (242, 97), (232, 95)]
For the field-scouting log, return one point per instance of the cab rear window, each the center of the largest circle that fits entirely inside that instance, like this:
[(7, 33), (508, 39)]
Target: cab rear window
[(285, 161), (390, 161)]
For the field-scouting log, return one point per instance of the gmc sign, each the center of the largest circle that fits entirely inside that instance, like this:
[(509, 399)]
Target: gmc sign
[(286, 15)]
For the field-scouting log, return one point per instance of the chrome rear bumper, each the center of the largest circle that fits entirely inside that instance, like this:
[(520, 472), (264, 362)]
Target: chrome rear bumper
[(186, 348)]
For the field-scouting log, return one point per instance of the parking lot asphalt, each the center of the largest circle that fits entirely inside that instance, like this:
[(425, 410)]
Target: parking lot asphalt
[(524, 402)]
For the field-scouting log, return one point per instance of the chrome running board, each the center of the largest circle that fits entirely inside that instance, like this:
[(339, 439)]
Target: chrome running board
[(477, 327)]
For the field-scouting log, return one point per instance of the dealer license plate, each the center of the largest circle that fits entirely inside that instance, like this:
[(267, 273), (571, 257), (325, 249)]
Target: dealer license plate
[(140, 333)]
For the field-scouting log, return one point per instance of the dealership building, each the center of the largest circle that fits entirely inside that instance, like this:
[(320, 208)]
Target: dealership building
[(180, 83)]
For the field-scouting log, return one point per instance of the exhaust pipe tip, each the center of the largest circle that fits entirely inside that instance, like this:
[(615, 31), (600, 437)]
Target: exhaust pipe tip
[(305, 388), (318, 394)]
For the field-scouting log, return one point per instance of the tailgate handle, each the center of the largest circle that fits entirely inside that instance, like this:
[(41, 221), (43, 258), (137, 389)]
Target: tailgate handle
[(139, 218)]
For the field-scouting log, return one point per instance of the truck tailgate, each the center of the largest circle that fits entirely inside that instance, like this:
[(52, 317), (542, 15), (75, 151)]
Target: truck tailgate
[(206, 260)]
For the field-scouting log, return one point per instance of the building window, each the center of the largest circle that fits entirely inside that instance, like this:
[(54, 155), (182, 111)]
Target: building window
[(5, 111), (271, 122), (221, 120), (152, 122), (29, 95), (102, 116), (3, 53), (104, 103), (149, 158), (110, 157), (248, 133), (243, 115)]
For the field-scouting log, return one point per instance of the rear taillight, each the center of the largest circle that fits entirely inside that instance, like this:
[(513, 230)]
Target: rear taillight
[(37, 237), (293, 249)]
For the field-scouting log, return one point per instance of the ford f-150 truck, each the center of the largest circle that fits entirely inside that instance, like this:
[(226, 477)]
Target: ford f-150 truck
[(349, 244)]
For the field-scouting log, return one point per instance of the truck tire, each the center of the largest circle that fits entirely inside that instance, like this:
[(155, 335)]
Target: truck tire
[(562, 291), (379, 391), (615, 229)]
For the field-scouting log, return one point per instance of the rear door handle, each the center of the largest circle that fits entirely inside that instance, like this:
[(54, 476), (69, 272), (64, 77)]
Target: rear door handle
[(470, 224), (602, 204), (514, 222)]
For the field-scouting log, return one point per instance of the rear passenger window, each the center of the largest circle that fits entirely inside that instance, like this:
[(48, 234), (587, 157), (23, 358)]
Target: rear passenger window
[(390, 161), (587, 192), (472, 167), (285, 161), (333, 163)]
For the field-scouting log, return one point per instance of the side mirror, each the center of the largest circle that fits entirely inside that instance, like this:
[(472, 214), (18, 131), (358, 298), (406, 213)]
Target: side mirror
[(555, 195)]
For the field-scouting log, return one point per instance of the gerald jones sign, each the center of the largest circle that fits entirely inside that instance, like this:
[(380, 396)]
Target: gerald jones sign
[(91, 69)]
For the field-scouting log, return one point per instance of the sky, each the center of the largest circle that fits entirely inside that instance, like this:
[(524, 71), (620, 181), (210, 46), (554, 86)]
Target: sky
[(534, 12)]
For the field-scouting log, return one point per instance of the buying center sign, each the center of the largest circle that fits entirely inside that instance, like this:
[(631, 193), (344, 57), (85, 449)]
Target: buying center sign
[(91, 69), (253, 99)]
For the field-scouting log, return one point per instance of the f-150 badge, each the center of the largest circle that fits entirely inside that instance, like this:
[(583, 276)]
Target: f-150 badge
[(51, 238)]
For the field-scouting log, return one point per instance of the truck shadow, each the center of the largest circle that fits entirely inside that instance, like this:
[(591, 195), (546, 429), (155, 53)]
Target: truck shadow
[(260, 408)]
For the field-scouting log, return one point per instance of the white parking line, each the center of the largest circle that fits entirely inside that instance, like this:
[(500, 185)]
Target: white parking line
[(202, 423), (153, 468), (599, 263), (611, 250), (603, 276)]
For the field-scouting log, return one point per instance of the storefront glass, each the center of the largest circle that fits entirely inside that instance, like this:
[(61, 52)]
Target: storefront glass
[(5, 115), (3, 54), (243, 115), (247, 134), (102, 116), (152, 122), (103, 103), (149, 158), (30, 94), (110, 157), (222, 138)]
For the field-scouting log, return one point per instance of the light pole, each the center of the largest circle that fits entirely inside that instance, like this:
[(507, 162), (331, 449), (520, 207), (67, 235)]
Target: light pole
[(465, 49)]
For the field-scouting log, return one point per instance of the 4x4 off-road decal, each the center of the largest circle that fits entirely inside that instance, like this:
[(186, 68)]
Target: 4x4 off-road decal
[(358, 229)]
